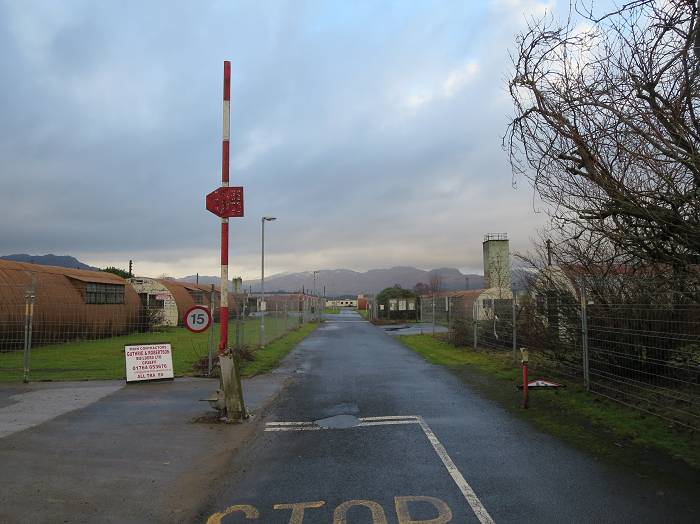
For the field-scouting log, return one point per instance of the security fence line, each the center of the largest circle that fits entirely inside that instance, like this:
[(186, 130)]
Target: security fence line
[(645, 354), (50, 329)]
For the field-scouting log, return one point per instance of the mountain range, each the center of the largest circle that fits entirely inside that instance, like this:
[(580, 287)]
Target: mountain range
[(335, 282), (340, 282), (50, 260)]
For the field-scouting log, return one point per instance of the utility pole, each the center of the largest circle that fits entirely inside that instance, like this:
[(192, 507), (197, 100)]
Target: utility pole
[(316, 296), (263, 306)]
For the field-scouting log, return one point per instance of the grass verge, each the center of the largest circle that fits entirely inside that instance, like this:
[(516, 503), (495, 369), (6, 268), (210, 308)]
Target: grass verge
[(270, 356), (331, 311), (596, 424), (104, 359)]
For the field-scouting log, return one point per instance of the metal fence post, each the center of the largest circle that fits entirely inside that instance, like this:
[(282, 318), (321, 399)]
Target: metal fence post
[(584, 339), (475, 321), (515, 328), (242, 313), (449, 320), (30, 296), (27, 300), (210, 349), (433, 306)]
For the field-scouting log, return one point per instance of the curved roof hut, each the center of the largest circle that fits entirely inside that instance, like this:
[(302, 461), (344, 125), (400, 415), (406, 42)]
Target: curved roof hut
[(68, 304), (157, 299)]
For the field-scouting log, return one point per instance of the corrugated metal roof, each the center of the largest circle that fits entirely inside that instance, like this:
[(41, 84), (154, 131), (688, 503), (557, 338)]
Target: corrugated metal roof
[(61, 312), (83, 275)]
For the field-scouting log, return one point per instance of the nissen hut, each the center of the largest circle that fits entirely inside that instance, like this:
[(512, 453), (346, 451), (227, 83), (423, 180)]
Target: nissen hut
[(69, 304), (171, 299)]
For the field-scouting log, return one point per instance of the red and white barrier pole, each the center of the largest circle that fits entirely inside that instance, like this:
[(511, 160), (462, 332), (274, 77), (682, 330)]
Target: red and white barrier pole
[(223, 310)]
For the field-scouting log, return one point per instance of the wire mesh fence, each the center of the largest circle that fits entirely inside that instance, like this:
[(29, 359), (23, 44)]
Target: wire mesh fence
[(58, 327), (640, 348)]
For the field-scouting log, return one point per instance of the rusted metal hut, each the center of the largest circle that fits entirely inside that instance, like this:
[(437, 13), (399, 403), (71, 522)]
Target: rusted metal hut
[(69, 304)]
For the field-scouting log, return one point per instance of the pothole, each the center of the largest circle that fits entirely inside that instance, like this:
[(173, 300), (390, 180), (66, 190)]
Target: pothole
[(338, 422)]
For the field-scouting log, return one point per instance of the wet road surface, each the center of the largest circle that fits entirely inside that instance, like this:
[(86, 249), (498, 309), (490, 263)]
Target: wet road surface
[(370, 432)]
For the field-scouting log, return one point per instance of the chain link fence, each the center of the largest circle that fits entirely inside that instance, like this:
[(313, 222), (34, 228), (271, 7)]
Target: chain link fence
[(54, 327), (640, 349)]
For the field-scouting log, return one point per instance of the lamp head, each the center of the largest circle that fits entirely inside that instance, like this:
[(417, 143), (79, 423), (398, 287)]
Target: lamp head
[(269, 219)]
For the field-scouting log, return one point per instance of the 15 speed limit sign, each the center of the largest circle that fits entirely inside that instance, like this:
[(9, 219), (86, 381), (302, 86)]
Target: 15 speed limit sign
[(197, 319)]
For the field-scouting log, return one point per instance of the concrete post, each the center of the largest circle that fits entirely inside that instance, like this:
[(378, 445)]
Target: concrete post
[(231, 387)]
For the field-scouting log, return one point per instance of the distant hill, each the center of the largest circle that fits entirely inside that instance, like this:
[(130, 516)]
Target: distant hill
[(50, 260), (347, 282)]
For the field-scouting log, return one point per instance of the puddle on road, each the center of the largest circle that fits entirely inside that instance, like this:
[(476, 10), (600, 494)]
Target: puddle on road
[(338, 422), (395, 328)]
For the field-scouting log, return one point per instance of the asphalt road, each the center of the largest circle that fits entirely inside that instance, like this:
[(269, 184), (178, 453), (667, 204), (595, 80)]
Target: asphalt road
[(453, 457)]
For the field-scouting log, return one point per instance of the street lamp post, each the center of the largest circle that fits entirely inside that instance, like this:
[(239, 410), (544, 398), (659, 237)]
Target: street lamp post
[(263, 306), (318, 315)]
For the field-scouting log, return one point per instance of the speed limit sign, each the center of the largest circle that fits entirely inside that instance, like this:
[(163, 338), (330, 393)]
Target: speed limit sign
[(197, 319)]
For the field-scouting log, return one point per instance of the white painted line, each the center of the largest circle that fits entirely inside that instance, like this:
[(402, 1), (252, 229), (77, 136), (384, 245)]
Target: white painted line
[(294, 428), (389, 417), (386, 423), (289, 423), (473, 501), (477, 507)]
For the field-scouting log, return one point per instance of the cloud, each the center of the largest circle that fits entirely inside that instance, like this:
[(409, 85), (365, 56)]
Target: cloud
[(454, 81), (371, 130)]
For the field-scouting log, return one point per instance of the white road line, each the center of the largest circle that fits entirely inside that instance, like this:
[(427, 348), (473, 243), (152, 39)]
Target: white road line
[(329, 320), (477, 507), (289, 423), (294, 428), (473, 501), (389, 417), (386, 423)]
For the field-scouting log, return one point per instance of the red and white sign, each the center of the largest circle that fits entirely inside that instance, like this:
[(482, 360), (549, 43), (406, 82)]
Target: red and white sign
[(148, 362), (197, 319), (226, 202)]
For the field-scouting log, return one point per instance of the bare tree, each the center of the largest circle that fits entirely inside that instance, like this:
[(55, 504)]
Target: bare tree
[(606, 128), (435, 284)]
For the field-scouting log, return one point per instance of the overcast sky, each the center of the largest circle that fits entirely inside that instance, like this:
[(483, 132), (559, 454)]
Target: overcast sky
[(372, 130)]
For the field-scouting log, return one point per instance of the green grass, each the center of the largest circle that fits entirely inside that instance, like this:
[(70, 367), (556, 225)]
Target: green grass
[(364, 313), (104, 359), (331, 311), (269, 357), (587, 420)]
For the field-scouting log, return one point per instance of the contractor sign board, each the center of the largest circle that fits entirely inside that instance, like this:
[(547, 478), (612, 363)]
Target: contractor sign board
[(148, 362)]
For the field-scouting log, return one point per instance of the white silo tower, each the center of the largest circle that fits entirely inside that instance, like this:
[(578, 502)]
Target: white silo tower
[(497, 261)]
